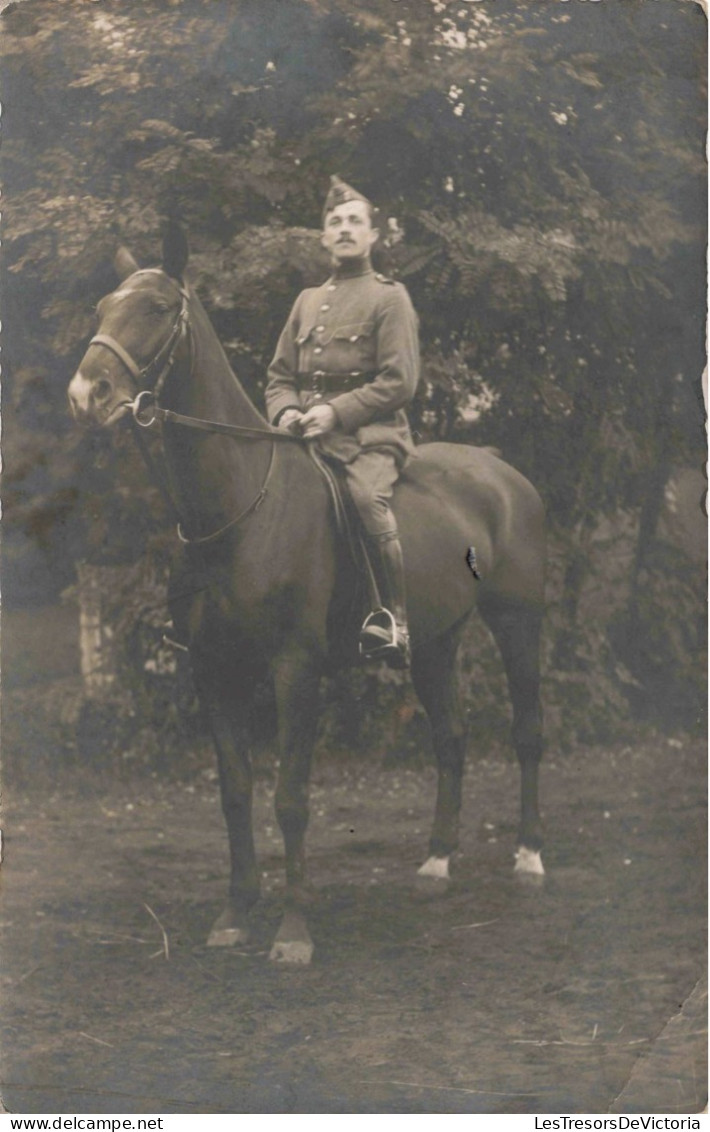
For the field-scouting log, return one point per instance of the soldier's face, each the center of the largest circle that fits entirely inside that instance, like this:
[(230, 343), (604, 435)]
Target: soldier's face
[(348, 232)]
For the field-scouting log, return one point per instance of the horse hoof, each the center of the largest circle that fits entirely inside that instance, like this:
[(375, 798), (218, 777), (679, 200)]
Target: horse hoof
[(293, 943), (433, 877), (529, 868), (227, 937), (227, 931), (296, 951), (435, 867)]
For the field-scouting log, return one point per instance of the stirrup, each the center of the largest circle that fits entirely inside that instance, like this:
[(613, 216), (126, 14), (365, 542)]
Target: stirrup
[(381, 638)]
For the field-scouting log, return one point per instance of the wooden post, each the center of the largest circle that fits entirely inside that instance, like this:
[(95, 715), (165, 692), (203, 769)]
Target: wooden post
[(98, 666)]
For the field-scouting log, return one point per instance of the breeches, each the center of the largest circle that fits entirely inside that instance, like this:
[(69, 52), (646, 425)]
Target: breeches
[(371, 479)]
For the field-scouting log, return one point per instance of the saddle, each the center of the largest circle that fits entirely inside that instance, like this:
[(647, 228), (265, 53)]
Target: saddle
[(379, 620)]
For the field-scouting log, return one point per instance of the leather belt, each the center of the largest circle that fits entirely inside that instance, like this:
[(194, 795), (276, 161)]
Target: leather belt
[(321, 382)]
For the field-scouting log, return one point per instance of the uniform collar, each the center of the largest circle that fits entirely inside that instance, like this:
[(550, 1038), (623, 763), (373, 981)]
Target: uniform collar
[(351, 269)]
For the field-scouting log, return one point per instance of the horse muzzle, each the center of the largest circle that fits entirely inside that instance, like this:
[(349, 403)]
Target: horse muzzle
[(96, 402)]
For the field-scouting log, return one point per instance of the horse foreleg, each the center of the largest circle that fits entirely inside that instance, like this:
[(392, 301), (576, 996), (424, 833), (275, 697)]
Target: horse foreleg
[(296, 683), (434, 677), (231, 740), (516, 628)]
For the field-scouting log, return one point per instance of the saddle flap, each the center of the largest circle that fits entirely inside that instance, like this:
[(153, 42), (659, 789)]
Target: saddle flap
[(347, 521)]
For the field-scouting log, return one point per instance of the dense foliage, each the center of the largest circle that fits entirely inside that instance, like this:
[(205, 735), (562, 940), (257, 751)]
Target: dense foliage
[(540, 172)]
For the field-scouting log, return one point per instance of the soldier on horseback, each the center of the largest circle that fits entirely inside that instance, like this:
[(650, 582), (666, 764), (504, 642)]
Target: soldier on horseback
[(346, 365), (255, 584)]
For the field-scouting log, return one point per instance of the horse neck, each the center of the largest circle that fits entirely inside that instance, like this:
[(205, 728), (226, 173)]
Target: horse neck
[(213, 477)]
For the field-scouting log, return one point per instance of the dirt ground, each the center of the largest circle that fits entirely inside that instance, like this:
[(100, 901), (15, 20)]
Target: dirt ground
[(585, 996)]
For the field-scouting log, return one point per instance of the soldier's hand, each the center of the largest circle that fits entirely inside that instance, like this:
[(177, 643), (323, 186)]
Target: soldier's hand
[(318, 420), (291, 420)]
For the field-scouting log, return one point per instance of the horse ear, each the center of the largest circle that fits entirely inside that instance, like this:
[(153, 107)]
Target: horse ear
[(124, 263), (175, 250)]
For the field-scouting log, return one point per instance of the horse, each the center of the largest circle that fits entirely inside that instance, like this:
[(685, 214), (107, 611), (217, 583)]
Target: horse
[(262, 585)]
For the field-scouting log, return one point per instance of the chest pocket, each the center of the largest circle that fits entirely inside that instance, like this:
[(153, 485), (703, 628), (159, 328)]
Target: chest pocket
[(352, 332), (347, 332), (351, 346), (345, 347)]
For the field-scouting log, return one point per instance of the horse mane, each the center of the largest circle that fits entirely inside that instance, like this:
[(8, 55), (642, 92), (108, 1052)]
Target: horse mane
[(210, 356)]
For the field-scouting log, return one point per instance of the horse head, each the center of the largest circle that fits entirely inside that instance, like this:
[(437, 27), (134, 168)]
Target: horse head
[(140, 327)]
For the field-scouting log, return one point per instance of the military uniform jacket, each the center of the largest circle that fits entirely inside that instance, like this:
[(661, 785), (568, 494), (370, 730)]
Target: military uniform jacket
[(357, 324)]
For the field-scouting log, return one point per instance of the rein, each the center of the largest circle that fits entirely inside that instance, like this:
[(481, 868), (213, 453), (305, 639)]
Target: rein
[(160, 414), (146, 401)]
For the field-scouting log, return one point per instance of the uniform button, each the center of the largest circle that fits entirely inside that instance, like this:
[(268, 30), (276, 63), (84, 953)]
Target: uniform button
[(317, 349), (319, 328), (317, 396), (325, 307), (354, 337), (331, 286)]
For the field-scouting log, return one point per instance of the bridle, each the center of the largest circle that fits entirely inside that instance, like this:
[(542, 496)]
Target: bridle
[(146, 402), (165, 355)]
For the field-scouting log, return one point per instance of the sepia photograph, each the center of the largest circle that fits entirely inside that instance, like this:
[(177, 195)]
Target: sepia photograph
[(354, 558)]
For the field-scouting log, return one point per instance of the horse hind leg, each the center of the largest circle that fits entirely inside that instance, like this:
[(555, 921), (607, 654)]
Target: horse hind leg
[(516, 628), (434, 678)]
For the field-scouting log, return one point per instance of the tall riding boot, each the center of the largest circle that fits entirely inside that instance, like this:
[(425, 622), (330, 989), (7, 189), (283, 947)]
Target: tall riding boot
[(385, 634)]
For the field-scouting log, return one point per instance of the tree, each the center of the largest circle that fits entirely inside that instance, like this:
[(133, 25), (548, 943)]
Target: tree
[(541, 176)]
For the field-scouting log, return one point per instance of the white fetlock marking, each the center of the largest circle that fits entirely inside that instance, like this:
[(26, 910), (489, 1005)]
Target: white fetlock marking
[(294, 951), (437, 867), (529, 861)]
